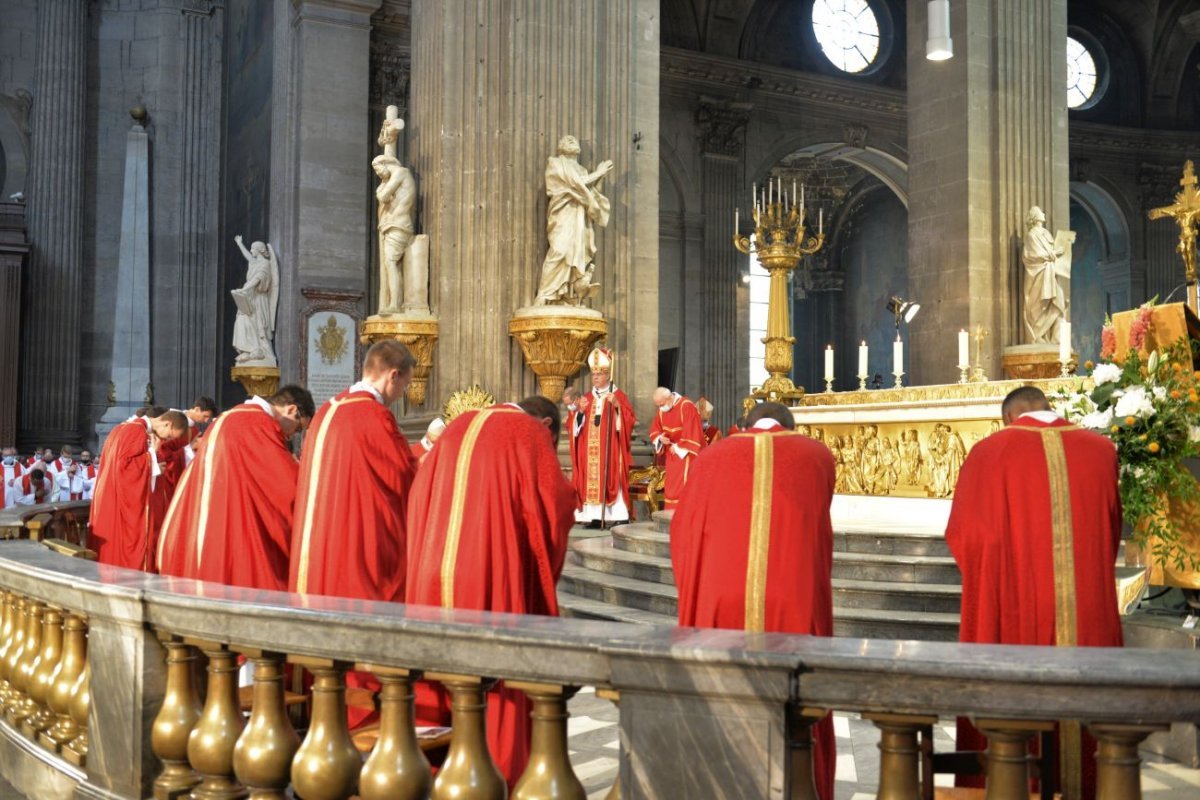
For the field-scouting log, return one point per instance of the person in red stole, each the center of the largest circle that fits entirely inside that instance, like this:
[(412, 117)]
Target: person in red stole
[(231, 518), (488, 520), (173, 458), (711, 432), (752, 543), (601, 430), (1035, 526), (422, 448), (678, 434), (120, 515), (348, 536)]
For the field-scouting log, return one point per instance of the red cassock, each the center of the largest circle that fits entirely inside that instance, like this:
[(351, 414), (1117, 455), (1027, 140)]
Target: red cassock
[(488, 519), (172, 460), (1004, 535), (752, 547), (594, 485), (679, 426), (120, 515), (711, 434), (348, 537), (231, 518)]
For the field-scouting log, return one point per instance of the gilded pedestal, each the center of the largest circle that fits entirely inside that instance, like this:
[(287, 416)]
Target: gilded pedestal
[(555, 341), (418, 332), (1027, 362), (261, 381)]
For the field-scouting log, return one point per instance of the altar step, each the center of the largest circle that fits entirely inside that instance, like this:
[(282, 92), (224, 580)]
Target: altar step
[(895, 585)]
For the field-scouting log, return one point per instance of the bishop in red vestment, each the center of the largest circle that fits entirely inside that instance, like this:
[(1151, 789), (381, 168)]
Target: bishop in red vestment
[(752, 543), (678, 435), (120, 515), (231, 518), (601, 430), (1035, 527), (488, 520)]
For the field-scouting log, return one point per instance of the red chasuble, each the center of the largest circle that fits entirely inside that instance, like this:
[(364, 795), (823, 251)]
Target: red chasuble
[(171, 462), (1035, 527), (680, 425), (231, 518), (711, 434), (593, 484), (752, 547), (120, 503), (488, 519)]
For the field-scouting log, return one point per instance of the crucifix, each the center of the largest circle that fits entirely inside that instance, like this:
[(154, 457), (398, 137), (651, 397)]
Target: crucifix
[(390, 132), (1186, 213)]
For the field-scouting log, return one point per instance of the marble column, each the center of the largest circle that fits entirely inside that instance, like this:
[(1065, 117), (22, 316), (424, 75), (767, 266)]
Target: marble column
[(49, 413), (987, 139), (321, 191), (725, 377), (494, 87), (199, 292), (14, 248)]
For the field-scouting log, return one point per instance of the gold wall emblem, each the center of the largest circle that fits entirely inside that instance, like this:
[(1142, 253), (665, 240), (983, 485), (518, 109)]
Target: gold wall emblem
[(332, 341), (471, 399)]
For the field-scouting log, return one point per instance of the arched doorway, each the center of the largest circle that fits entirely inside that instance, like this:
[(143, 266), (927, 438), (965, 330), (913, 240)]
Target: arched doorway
[(1100, 266)]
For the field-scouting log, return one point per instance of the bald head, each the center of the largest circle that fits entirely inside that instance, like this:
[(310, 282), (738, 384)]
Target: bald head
[(1023, 400), (775, 411), (662, 396)]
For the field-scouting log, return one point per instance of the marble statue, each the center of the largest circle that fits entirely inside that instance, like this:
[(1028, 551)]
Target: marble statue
[(575, 204), (257, 301), (403, 280), (1047, 261)]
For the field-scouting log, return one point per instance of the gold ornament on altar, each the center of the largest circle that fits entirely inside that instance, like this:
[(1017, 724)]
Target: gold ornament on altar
[(472, 399), (332, 341), (260, 381), (1186, 213), (555, 341), (418, 334), (780, 240)]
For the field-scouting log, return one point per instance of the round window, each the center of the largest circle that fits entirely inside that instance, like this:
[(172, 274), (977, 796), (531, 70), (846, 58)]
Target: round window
[(1082, 75), (848, 32)]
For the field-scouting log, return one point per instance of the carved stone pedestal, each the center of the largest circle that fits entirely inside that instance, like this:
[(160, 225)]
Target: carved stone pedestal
[(555, 341), (1033, 361), (261, 381), (418, 332)]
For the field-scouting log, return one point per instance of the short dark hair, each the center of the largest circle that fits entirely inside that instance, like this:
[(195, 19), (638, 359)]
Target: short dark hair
[(1025, 398), (176, 419), (388, 354), (540, 407), (150, 411), (775, 411), (205, 403), (38, 475), (293, 394)]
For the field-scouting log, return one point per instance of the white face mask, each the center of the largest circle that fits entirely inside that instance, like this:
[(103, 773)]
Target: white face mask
[(66, 459), (10, 460)]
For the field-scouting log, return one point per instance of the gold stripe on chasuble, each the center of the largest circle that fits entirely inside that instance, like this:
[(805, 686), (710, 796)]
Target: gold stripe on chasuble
[(313, 488), (1070, 736), (593, 494), (209, 464), (760, 533), (458, 499)]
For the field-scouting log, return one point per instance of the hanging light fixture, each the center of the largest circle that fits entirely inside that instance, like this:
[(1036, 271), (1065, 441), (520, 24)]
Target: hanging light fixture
[(938, 46)]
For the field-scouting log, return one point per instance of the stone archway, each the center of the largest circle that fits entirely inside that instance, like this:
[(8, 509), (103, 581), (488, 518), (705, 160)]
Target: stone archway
[(1101, 280), (890, 170)]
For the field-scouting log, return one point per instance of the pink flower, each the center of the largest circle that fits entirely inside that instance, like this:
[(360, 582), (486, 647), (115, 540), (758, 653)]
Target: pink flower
[(1108, 342), (1139, 327)]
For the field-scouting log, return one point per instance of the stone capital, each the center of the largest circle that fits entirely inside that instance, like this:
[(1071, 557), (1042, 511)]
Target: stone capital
[(201, 8), (721, 123), (339, 12)]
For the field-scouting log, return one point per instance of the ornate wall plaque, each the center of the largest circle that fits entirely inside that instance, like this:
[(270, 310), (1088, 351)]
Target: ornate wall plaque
[(329, 330)]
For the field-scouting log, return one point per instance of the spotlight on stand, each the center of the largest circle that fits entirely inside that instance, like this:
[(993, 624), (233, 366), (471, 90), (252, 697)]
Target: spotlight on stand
[(903, 309), (938, 45)]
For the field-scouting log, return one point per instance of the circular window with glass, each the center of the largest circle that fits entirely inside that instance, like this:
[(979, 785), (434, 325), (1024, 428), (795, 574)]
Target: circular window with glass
[(848, 32), (1082, 75)]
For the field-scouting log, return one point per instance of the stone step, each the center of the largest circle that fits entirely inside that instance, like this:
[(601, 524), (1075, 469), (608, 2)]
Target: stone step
[(661, 520), (898, 569), (618, 590), (648, 539), (603, 556), (874, 623), (570, 605), (643, 538)]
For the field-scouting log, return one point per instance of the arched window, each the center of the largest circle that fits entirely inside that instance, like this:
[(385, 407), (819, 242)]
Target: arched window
[(1083, 76), (848, 32)]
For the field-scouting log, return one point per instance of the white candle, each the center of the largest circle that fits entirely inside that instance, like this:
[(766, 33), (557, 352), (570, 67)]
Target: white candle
[(737, 213), (963, 350), (770, 190), (1064, 341), (754, 193), (898, 355), (793, 190), (829, 362), (820, 222), (862, 360)]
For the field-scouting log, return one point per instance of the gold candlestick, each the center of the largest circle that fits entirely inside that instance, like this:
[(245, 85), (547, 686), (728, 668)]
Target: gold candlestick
[(977, 374)]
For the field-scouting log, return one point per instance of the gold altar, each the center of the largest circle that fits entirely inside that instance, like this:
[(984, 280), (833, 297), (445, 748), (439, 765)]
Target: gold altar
[(908, 442)]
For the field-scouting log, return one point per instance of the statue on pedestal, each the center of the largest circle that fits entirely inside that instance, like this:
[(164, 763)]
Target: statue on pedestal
[(403, 257), (257, 302), (1047, 261), (575, 205)]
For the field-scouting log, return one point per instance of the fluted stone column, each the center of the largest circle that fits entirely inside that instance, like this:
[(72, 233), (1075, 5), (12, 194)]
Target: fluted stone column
[(725, 377), (50, 365), (494, 87), (14, 249), (987, 138)]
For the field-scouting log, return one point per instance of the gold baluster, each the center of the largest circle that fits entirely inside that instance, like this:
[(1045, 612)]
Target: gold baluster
[(6, 629), (69, 668), (40, 683), (469, 770), (396, 769), (211, 742), (613, 696), (799, 721), (1118, 766), (81, 699), (548, 774), (176, 719), (17, 710), (1008, 756), (327, 765), (14, 637), (899, 755), (13, 656), (262, 758)]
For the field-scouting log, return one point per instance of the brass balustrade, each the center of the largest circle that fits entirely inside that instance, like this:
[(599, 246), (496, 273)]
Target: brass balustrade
[(698, 708), (44, 668)]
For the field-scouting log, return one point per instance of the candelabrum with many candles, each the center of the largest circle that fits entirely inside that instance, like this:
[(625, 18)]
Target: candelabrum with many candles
[(780, 241)]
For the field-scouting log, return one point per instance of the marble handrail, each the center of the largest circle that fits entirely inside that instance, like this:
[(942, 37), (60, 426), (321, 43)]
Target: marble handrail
[(684, 692)]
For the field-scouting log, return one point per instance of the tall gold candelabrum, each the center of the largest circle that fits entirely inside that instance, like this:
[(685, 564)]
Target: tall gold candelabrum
[(780, 241)]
